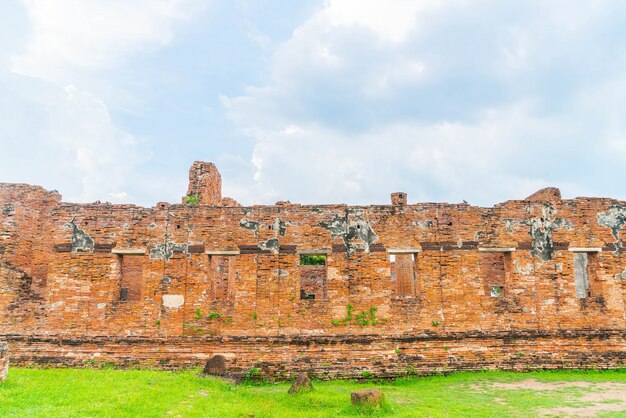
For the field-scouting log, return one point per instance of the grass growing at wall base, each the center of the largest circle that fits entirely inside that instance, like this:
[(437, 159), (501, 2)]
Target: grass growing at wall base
[(145, 393)]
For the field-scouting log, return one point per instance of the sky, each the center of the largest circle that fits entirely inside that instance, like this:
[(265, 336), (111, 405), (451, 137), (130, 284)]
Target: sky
[(314, 101)]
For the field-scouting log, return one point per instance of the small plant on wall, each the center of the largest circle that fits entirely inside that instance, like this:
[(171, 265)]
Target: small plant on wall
[(362, 319), (192, 200)]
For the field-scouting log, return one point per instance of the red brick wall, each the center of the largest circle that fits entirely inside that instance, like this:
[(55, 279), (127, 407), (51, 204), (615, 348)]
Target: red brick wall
[(205, 183), (210, 274), (4, 361), (312, 281)]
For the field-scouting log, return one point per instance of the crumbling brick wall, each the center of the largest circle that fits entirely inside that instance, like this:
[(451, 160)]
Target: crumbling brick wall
[(4, 361), (205, 184), (171, 284)]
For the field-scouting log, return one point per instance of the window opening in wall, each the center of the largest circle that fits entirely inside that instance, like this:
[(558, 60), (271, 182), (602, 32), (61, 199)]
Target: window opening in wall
[(581, 274), (496, 291), (403, 274), (132, 271), (223, 276), (312, 276), (493, 270)]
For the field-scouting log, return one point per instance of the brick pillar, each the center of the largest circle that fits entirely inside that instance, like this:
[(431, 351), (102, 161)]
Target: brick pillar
[(398, 199), (205, 183), (4, 361)]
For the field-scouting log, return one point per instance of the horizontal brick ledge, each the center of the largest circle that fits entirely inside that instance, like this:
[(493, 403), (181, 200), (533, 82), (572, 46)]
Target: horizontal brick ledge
[(298, 339)]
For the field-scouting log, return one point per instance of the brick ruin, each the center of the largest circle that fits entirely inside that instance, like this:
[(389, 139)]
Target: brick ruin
[(4, 361), (333, 290)]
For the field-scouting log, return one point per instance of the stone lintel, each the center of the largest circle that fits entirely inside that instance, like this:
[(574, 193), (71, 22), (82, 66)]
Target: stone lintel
[(321, 251), (585, 249), (128, 251), (496, 249), (404, 250), (217, 252)]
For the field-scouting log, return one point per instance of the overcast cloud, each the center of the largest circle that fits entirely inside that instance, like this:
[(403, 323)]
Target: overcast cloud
[(315, 102)]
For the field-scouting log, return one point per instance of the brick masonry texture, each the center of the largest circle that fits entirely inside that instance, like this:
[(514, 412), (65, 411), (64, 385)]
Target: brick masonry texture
[(407, 288), (4, 361)]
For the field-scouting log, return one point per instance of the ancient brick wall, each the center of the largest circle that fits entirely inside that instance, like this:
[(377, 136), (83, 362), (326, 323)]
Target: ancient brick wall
[(401, 282), (4, 361), (205, 184)]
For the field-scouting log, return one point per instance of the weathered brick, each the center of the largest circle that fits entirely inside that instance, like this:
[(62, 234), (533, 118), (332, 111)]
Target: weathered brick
[(4, 361), (172, 285)]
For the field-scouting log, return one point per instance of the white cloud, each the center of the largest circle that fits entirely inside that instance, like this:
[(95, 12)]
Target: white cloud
[(70, 36), (101, 155), (391, 20), (476, 100), (68, 135), (52, 122), (442, 161)]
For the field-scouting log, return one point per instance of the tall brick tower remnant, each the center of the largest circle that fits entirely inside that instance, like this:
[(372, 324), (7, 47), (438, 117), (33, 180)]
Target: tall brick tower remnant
[(205, 183)]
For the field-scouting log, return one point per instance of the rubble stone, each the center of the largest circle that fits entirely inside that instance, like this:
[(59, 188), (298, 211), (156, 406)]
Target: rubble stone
[(373, 397), (215, 366), (301, 384)]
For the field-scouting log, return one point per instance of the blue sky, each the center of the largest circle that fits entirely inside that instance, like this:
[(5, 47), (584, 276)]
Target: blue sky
[(314, 101)]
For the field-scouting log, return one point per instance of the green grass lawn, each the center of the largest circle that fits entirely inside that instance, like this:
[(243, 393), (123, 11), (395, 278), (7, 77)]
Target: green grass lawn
[(145, 393)]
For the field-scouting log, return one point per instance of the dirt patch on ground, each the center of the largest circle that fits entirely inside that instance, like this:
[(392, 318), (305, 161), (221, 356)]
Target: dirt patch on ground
[(601, 397), (532, 384), (603, 401)]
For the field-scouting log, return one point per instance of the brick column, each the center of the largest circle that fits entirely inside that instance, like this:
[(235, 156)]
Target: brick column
[(4, 361)]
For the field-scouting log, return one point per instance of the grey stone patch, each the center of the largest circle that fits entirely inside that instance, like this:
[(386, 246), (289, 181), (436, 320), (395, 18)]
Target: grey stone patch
[(541, 230), (425, 224), (81, 241), (581, 278), (165, 250), (279, 226), (525, 270), (614, 219), (270, 245), (251, 225), (9, 209), (352, 226), (508, 225), (55, 305), (280, 273), (4, 361), (479, 235)]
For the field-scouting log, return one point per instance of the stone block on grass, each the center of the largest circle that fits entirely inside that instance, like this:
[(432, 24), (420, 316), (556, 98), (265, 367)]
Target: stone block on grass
[(301, 384), (373, 397), (215, 366)]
